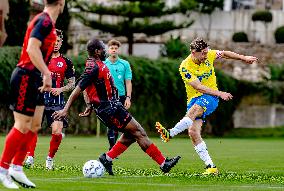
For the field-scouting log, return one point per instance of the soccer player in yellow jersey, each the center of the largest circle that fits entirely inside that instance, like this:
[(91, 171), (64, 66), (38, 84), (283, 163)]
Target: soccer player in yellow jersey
[(197, 72)]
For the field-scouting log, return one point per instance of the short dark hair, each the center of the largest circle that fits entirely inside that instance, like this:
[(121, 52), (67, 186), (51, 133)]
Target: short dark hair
[(114, 42), (59, 33), (93, 45), (198, 44)]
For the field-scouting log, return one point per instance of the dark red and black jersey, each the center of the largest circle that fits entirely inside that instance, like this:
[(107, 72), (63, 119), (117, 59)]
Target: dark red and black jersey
[(98, 82), (43, 29), (60, 68)]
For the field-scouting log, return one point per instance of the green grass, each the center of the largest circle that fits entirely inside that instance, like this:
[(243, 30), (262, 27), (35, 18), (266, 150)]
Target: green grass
[(245, 164), (256, 132)]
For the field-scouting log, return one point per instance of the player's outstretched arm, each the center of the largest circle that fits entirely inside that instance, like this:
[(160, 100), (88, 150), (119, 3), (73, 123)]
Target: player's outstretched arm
[(88, 109), (196, 84), (236, 56), (62, 113), (69, 86)]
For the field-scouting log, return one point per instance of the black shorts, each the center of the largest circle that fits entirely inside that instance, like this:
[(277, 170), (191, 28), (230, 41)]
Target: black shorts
[(113, 115), (25, 95), (48, 115), (122, 99)]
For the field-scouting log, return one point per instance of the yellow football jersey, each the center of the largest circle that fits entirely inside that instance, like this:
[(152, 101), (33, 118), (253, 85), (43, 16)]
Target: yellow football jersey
[(204, 72)]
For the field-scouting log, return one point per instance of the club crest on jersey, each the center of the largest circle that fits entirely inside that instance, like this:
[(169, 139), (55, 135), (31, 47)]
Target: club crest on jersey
[(207, 63), (60, 64)]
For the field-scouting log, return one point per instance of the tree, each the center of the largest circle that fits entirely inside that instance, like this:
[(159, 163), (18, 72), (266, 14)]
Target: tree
[(16, 23), (62, 23), (150, 17), (208, 7), (264, 16)]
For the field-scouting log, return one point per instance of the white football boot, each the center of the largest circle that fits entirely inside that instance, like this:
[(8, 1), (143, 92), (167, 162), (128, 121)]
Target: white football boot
[(7, 181), (18, 175)]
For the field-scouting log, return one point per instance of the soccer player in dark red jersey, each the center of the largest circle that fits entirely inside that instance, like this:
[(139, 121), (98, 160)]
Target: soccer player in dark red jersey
[(60, 68), (28, 80), (102, 96)]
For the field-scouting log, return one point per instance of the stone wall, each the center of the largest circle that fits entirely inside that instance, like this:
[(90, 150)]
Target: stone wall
[(268, 54), (259, 116)]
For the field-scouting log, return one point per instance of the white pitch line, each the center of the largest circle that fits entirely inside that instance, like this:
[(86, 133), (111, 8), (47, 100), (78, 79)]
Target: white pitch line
[(97, 181)]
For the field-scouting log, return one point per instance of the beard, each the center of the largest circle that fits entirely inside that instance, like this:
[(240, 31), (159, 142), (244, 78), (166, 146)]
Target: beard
[(55, 51), (103, 56)]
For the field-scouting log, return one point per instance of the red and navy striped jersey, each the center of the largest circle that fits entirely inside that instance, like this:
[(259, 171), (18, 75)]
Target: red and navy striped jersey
[(42, 28), (60, 68), (98, 82)]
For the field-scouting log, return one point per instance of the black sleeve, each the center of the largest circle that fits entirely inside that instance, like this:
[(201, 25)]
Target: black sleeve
[(89, 76), (70, 70), (42, 28)]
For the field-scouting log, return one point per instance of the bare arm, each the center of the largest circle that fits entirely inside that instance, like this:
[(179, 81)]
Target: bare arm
[(86, 97), (127, 103), (236, 56), (36, 57), (88, 109), (62, 113), (196, 84), (128, 84), (69, 86)]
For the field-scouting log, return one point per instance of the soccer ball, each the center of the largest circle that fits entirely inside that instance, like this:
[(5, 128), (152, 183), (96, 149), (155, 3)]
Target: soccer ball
[(93, 169)]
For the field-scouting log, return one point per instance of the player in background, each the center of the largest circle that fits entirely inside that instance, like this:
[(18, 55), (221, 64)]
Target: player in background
[(28, 80), (60, 68), (98, 84), (197, 72), (122, 75)]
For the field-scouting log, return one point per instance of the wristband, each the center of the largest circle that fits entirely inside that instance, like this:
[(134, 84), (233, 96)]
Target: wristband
[(129, 97)]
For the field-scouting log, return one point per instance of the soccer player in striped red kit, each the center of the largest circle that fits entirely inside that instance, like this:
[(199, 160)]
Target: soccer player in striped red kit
[(102, 96), (60, 68), (29, 79)]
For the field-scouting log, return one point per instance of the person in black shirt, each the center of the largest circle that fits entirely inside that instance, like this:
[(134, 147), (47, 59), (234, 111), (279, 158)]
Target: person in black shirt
[(60, 68), (101, 96)]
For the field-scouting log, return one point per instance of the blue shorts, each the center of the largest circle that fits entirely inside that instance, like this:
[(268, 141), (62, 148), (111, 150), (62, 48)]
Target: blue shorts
[(208, 102)]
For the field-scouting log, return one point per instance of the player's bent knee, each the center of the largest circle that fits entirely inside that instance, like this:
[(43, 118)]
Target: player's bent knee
[(140, 132), (192, 133), (195, 111)]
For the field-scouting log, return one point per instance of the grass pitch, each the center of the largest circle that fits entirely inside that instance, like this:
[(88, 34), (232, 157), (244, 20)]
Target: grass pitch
[(245, 164)]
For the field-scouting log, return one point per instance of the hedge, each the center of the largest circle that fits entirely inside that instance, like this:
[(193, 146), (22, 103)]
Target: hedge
[(279, 34), (240, 37), (158, 94)]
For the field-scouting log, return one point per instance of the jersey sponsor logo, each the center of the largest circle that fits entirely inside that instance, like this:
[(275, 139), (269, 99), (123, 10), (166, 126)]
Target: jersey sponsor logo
[(205, 75)]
